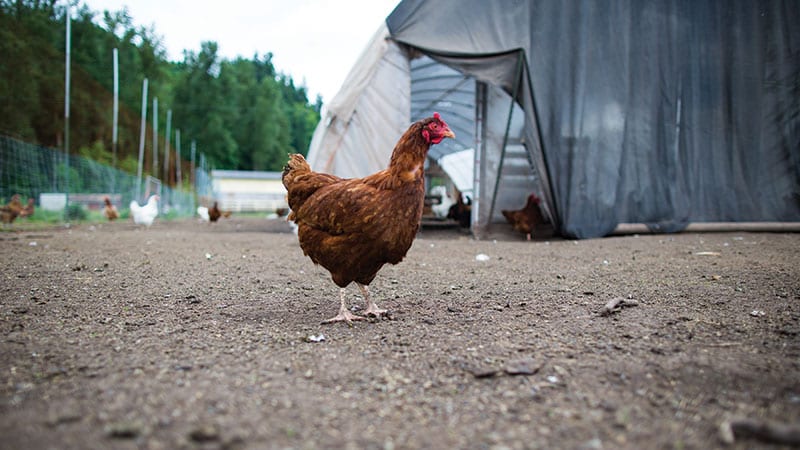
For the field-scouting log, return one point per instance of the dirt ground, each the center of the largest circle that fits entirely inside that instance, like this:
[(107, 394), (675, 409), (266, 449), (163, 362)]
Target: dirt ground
[(190, 335)]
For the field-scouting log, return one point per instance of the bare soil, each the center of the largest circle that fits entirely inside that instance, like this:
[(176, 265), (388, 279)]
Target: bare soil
[(190, 335)]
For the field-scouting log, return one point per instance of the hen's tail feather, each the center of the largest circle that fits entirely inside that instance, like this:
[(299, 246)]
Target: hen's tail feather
[(301, 182), (297, 165)]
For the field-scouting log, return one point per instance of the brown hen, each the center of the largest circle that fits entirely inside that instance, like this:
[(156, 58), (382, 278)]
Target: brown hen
[(10, 211), (109, 210), (525, 220), (352, 227), (214, 213), (28, 209)]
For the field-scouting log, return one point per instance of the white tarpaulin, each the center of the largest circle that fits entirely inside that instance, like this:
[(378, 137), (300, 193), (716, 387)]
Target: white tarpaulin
[(364, 121), (460, 167)]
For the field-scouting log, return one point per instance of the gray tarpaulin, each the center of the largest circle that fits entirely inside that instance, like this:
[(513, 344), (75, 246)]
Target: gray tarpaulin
[(657, 112)]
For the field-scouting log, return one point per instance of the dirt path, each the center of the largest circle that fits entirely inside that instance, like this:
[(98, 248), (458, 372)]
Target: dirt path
[(191, 335)]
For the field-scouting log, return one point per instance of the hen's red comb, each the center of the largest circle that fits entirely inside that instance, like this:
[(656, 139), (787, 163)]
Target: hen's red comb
[(436, 116)]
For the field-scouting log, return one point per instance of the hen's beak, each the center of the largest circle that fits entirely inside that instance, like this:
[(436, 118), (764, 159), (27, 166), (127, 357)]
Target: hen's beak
[(449, 133)]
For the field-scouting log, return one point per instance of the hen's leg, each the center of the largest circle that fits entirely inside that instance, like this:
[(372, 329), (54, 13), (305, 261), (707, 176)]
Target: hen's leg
[(344, 314), (372, 309)]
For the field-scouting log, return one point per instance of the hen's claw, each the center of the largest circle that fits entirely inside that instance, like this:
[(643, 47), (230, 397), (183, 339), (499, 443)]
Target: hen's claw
[(343, 316), (374, 311)]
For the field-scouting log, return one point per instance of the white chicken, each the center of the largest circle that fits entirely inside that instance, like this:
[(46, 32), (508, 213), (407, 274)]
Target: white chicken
[(144, 215), (440, 210), (202, 211)]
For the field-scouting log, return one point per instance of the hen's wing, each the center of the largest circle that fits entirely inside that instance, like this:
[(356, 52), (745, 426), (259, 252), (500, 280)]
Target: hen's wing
[(352, 229), (510, 216), (151, 208), (518, 220), (535, 215), (343, 207), (136, 212), (111, 212)]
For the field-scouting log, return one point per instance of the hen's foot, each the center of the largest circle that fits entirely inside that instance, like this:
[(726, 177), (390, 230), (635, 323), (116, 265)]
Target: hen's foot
[(343, 316), (373, 311)]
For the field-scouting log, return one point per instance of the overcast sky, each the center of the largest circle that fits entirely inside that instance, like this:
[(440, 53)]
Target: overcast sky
[(314, 41)]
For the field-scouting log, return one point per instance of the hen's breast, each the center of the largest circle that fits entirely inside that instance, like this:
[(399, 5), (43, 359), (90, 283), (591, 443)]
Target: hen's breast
[(374, 230)]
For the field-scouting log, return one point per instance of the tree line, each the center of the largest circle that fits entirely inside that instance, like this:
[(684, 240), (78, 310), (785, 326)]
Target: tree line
[(243, 114)]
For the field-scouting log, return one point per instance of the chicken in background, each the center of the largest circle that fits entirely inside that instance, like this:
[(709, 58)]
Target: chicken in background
[(352, 227), (214, 213), (278, 213), (15, 204), (461, 211), (441, 209), (109, 210), (7, 215), (10, 211), (28, 209), (525, 220), (145, 215), (202, 211)]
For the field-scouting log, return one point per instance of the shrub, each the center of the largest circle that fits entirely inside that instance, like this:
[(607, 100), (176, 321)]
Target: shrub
[(76, 212)]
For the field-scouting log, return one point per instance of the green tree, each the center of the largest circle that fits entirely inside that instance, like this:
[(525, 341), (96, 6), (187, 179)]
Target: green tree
[(260, 127), (201, 107), (243, 113)]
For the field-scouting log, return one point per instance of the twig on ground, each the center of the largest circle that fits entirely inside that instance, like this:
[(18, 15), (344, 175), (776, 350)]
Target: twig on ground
[(764, 431), (615, 304), (723, 344)]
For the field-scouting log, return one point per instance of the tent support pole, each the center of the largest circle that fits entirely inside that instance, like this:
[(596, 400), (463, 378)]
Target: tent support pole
[(517, 75), (550, 191)]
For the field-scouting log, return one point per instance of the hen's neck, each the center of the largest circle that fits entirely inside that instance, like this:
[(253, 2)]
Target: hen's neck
[(408, 157)]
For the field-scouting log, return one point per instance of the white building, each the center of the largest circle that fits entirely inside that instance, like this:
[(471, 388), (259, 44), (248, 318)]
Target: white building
[(239, 190)]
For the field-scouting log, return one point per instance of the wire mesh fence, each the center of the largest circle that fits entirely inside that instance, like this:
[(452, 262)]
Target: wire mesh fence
[(57, 181)]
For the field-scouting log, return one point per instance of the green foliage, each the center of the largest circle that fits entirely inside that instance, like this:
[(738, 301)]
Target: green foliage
[(49, 217), (96, 152), (169, 215), (75, 212), (129, 164), (243, 114)]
